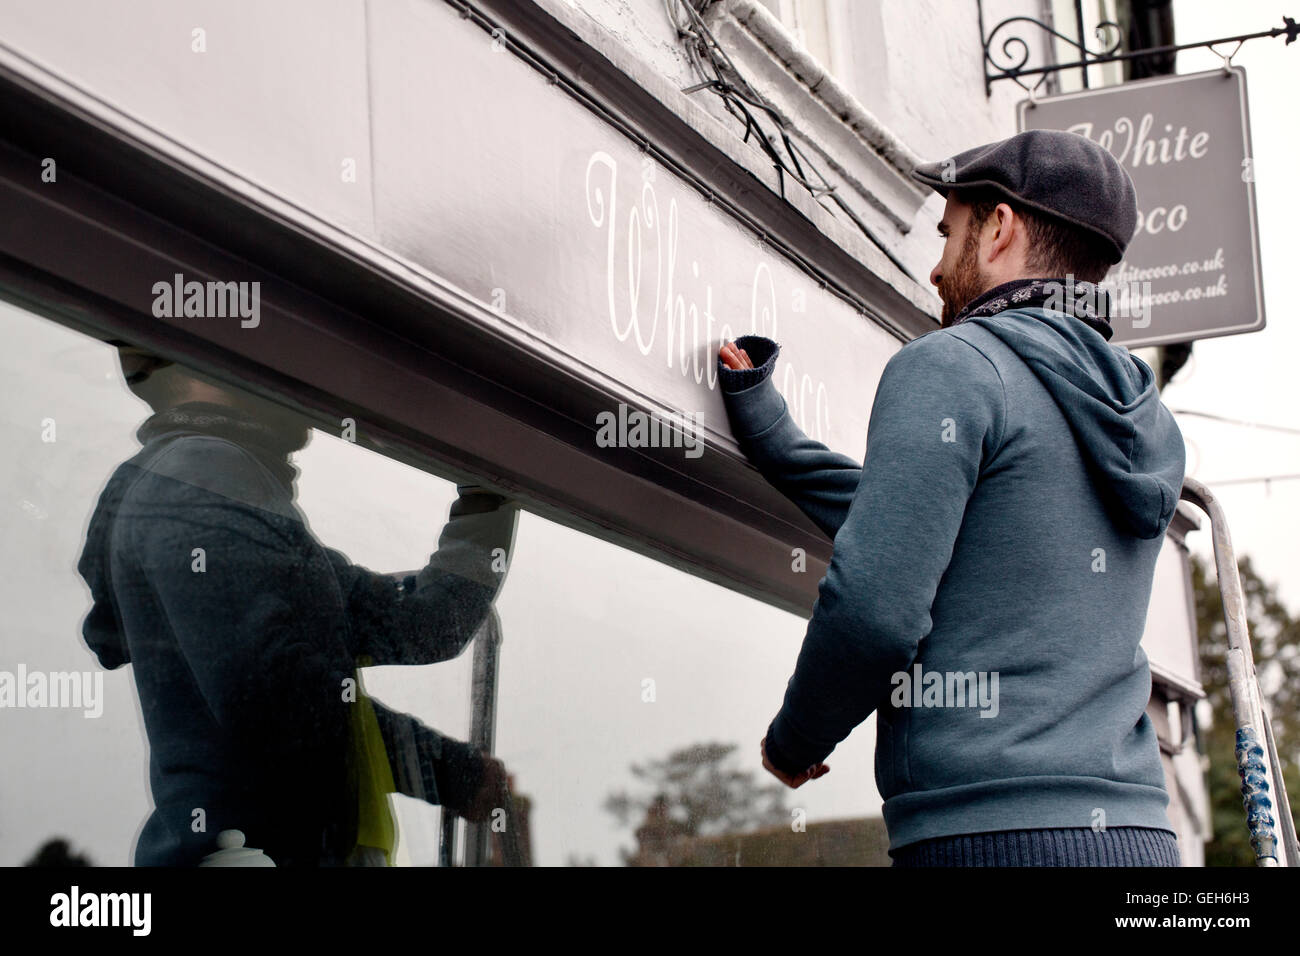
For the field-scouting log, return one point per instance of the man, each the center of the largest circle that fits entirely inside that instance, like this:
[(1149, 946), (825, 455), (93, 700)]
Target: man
[(994, 552), (245, 634)]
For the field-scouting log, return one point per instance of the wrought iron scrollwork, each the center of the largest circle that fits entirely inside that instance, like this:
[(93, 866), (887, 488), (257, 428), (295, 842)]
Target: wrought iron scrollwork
[(1015, 50), (1013, 70)]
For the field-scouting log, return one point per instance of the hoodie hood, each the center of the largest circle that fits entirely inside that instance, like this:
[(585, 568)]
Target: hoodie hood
[(269, 444), (1128, 438)]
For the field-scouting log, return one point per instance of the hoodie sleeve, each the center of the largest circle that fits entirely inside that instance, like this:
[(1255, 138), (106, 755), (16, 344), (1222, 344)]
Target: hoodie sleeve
[(425, 764), (939, 414), (431, 615), (819, 481)]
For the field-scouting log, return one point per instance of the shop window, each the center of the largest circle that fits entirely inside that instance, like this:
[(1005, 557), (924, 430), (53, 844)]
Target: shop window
[(240, 622)]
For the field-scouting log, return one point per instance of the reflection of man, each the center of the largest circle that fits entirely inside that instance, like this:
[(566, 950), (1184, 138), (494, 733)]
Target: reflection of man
[(245, 635), (1000, 536)]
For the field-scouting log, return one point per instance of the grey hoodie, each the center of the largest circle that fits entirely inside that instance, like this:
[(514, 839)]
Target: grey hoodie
[(990, 577)]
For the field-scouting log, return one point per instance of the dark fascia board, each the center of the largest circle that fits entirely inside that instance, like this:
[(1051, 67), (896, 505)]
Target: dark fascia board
[(421, 371)]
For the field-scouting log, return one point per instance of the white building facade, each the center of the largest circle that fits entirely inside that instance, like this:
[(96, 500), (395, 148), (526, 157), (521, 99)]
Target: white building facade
[(475, 228)]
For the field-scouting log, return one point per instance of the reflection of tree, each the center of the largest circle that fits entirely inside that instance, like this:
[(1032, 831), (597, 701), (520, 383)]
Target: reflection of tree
[(56, 851), (693, 792), (1275, 641)]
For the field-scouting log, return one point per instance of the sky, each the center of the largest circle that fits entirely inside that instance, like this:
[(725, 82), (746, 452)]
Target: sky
[(1252, 377)]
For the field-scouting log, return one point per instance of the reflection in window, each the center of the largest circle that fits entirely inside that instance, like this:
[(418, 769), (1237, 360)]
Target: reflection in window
[(245, 635), (631, 703), (201, 559)]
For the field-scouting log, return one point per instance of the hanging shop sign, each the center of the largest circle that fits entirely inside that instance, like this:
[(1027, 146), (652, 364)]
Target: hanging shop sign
[(1192, 270)]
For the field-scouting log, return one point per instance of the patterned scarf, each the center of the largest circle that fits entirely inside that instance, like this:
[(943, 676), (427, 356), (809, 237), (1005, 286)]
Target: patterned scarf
[(1083, 300)]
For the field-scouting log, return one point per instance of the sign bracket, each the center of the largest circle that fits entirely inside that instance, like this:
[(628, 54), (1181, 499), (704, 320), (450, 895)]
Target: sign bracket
[(1014, 49)]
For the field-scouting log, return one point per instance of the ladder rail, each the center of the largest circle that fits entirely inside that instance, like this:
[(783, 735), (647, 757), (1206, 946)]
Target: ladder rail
[(1283, 802), (486, 669), (1263, 790)]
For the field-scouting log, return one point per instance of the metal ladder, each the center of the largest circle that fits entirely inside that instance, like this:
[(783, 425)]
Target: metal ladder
[(482, 734), (1262, 787)]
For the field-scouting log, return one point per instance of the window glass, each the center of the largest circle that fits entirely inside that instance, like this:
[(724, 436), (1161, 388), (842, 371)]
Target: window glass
[(219, 618)]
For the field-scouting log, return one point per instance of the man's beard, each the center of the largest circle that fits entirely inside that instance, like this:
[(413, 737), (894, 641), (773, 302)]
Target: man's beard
[(965, 282)]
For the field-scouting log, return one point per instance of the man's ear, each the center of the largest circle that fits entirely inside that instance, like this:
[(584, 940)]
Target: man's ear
[(1006, 224)]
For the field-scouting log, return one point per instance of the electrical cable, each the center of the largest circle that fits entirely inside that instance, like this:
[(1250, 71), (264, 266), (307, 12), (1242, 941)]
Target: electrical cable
[(711, 64), (1236, 421)]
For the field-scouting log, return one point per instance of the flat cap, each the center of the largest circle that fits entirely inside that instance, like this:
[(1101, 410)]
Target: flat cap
[(1056, 172)]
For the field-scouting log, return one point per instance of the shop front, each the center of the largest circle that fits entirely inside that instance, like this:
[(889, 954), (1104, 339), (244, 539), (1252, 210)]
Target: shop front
[(492, 273)]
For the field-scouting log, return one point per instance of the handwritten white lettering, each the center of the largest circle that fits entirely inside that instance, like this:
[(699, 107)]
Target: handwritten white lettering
[(691, 331), (1140, 148)]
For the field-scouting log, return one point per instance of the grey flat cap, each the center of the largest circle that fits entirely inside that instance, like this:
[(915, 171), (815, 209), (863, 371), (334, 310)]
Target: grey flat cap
[(1053, 171)]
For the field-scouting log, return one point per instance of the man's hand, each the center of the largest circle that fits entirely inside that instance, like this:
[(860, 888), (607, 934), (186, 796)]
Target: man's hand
[(733, 357), (491, 791), (812, 773)]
